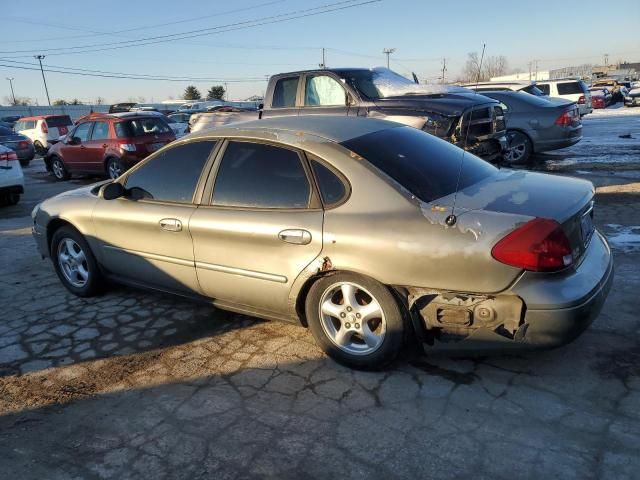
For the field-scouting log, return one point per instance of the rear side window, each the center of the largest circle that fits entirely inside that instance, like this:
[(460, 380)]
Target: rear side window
[(332, 189), (140, 127), (284, 93), (100, 131), (59, 121), (173, 175), (570, 88), (426, 166), (261, 176), (544, 88), (323, 90)]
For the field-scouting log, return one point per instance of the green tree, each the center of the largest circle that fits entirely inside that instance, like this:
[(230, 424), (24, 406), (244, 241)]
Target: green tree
[(216, 93), (75, 101), (191, 93), (60, 102)]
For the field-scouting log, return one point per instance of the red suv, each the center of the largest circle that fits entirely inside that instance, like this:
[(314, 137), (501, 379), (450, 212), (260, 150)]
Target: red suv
[(108, 144)]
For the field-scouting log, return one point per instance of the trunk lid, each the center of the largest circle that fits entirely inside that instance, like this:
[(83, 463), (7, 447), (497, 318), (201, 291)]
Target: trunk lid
[(569, 201)]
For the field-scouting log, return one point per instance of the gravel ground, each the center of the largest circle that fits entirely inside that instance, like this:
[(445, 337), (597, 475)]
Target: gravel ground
[(143, 385)]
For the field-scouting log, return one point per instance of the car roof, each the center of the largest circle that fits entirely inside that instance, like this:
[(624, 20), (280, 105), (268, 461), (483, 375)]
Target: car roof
[(337, 129), (43, 117)]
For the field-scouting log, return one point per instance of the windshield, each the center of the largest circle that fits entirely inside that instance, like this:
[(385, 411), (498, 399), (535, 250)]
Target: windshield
[(142, 126), (423, 164), (382, 83)]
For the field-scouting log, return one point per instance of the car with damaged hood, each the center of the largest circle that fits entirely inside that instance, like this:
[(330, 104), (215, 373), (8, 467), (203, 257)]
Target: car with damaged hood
[(468, 120), (363, 230)]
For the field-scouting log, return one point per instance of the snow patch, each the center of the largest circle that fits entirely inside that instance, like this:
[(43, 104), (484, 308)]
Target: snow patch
[(625, 238)]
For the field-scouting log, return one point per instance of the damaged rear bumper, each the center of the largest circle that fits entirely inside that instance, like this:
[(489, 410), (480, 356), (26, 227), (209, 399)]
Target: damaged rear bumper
[(540, 311)]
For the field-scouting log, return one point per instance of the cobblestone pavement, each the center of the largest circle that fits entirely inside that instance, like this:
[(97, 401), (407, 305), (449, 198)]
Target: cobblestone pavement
[(143, 385)]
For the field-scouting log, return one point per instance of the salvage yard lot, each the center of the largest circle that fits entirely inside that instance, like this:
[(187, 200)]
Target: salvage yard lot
[(139, 384)]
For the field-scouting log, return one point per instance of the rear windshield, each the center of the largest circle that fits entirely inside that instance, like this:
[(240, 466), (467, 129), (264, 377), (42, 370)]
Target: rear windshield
[(59, 121), (570, 88), (425, 165), (4, 131), (142, 126)]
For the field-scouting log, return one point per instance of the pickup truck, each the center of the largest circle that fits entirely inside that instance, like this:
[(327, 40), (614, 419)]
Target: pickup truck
[(460, 116)]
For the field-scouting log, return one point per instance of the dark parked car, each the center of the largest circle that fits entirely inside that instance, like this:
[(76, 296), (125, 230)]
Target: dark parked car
[(458, 115), (10, 120), (535, 124), (108, 144), (20, 144), (121, 107)]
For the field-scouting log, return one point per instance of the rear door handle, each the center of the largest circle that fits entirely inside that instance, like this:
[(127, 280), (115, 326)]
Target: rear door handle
[(295, 236), (171, 224)]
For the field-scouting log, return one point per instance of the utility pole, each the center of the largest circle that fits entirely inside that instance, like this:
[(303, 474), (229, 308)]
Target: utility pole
[(226, 91), (530, 71), (535, 62), (444, 68), (323, 65), (40, 57), (388, 52), (13, 95)]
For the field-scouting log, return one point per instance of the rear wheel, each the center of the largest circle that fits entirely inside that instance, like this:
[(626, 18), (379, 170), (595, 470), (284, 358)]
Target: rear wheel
[(114, 168), (355, 320), (39, 148), (520, 148), (58, 169), (74, 262)]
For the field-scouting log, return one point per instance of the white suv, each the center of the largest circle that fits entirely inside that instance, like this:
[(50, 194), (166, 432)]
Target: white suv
[(11, 177), (568, 89), (44, 130)]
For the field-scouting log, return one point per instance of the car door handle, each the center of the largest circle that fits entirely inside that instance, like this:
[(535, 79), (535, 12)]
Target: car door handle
[(295, 236), (171, 224)]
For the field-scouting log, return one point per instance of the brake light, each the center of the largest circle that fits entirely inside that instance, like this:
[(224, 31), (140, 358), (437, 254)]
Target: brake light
[(23, 144), (44, 128), (582, 100), (539, 245), (566, 118), (9, 156)]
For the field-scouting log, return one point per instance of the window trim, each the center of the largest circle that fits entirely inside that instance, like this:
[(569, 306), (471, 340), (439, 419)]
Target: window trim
[(200, 184), (345, 182), (303, 95), (315, 202), (297, 100)]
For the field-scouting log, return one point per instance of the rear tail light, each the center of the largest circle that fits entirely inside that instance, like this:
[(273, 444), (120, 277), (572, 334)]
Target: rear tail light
[(582, 100), (23, 144), (539, 246), (566, 118), (9, 156), (44, 128)]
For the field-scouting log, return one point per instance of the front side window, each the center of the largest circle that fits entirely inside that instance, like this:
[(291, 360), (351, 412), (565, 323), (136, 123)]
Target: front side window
[(284, 93), (100, 131), (82, 131), (261, 176), (173, 175), (322, 90)]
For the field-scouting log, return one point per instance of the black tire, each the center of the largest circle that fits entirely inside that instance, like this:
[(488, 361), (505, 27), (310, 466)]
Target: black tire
[(25, 162), (520, 148), (94, 282), (395, 328), (59, 169), (39, 148), (114, 168)]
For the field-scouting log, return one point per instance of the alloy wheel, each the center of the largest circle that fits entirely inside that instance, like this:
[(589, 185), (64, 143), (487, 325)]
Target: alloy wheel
[(352, 318), (73, 262), (114, 169), (58, 169)]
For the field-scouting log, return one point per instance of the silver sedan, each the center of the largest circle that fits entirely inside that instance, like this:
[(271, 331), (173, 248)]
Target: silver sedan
[(363, 230)]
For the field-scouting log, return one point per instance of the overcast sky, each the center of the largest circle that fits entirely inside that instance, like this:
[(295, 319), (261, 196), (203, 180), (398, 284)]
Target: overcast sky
[(423, 32)]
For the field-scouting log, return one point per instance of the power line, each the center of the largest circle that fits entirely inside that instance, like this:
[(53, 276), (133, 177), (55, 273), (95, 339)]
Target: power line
[(309, 12)]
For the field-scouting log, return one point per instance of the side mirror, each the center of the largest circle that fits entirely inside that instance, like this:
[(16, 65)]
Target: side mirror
[(113, 190), (74, 141), (261, 106)]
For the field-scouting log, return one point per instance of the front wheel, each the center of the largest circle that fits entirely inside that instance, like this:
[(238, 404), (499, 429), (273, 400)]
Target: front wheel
[(58, 169), (355, 320), (114, 168), (74, 262), (519, 150)]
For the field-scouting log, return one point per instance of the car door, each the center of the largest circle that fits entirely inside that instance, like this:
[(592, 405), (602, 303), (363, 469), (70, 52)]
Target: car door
[(284, 98), (144, 236), (74, 154), (260, 229), (96, 147), (324, 95)]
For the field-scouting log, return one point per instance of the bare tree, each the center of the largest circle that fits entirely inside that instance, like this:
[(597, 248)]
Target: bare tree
[(492, 66)]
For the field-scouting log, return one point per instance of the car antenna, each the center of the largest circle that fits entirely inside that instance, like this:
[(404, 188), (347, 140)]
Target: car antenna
[(452, 219)]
